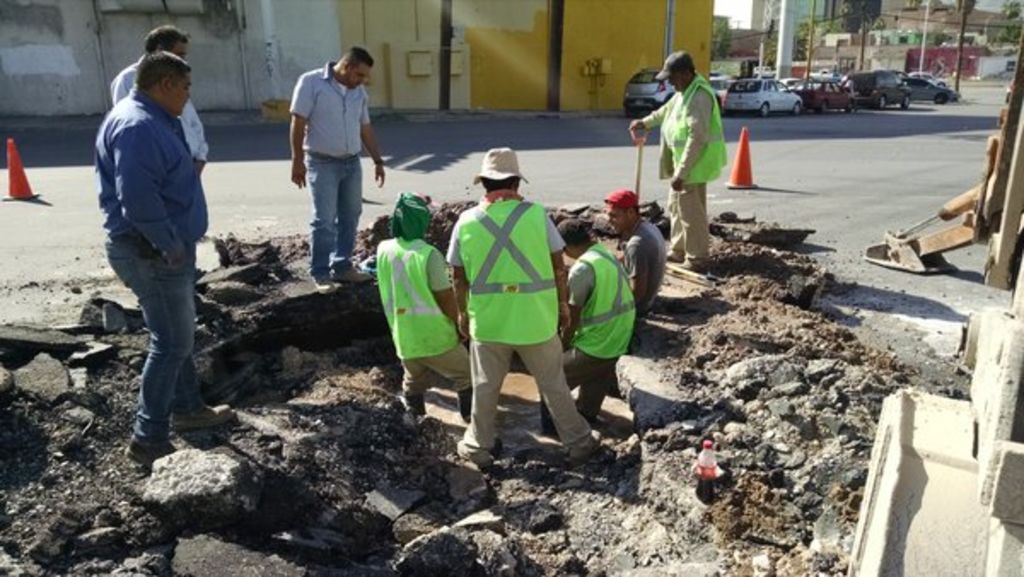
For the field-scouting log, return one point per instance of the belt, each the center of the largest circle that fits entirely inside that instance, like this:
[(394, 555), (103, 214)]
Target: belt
[(321, 156)]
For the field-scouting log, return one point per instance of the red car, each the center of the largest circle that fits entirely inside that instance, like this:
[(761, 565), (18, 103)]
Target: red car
[(821, 96)]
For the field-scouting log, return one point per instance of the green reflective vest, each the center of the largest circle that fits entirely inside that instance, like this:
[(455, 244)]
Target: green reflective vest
[(606, 325), (512, 295), (418, 326), (714, 156)]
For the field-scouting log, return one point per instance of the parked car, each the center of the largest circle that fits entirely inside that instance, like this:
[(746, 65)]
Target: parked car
[(822, 96), (721, 86), (878, 89), (929, 77), (644, 93), (761, 96), (921, 89), (791, 83)]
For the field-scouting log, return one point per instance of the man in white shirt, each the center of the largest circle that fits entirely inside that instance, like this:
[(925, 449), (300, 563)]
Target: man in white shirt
[(175, 41)]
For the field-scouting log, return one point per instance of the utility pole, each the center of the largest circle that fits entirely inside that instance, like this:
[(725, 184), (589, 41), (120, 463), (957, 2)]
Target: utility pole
[(810, 41), (966, 6), (445, 94), (784, 54), (924, 36), (863, 33)]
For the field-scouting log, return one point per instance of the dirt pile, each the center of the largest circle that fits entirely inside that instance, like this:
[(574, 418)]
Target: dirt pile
[(348, 484)]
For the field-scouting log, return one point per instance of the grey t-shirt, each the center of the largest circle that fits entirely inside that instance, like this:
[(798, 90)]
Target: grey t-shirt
[(581, 283), (555, 242), (437, 272), (645, 256)]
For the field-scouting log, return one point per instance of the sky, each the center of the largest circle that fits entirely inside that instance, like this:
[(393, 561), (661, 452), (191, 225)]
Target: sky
[(738, 11)]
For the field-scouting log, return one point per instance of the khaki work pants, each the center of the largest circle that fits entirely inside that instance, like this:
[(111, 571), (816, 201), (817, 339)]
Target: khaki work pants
[(490, 364), (425, 372), (688, 214)]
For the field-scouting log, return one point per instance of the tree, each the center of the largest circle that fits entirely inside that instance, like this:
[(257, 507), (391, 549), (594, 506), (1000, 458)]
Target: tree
[(721, 38), (803, 30), (1010, 34)]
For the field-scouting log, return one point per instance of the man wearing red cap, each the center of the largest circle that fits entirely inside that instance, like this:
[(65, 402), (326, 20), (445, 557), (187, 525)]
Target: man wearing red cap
[(643, 247)]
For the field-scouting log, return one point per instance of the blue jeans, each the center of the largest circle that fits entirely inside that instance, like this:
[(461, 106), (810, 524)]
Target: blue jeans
[(167, 297), (337, 189)]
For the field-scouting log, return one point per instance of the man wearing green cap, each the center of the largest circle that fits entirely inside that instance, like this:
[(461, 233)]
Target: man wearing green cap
[(420, 307)]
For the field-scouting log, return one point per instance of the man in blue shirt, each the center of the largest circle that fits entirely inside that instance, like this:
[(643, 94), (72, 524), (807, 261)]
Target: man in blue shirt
[(154, 212), (330, 126)]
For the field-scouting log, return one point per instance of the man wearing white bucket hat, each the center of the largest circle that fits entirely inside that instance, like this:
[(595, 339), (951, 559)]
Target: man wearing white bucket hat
[(510, 284)]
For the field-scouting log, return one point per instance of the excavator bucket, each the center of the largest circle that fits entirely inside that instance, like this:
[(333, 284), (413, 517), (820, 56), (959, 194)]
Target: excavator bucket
[(904, 254)]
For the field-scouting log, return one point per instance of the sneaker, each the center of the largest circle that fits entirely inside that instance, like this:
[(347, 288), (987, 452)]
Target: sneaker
[(414, 404), (466, 404), (203, 418), (351, 276), (145, 453), (324, 286)]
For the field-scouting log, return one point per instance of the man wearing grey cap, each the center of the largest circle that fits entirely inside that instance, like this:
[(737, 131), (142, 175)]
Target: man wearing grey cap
[(692, 155)]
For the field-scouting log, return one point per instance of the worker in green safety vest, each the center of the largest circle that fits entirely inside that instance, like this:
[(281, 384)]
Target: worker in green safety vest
[(510, 286), (602, 313), (420, 307), (692, 155)]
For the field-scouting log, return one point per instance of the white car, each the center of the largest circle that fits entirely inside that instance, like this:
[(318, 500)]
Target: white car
[(791, 83), (761, 96), (929, 77)]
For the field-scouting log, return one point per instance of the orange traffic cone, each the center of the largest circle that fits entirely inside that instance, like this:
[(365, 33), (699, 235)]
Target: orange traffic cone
[(742, 177), (18, 187)]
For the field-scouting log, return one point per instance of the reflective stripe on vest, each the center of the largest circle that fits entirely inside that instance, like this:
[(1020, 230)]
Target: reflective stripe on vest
[(503, 242), (419, 328), (507, 260), (619, 305), (606, 326), (713, 156)]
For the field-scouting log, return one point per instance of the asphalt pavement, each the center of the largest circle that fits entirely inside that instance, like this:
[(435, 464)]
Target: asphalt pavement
[(849, 176)]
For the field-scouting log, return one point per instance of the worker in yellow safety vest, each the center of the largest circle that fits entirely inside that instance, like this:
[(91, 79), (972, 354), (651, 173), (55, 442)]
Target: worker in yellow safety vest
[(420, 307), (602, 313), (692, 155), (506, 258)]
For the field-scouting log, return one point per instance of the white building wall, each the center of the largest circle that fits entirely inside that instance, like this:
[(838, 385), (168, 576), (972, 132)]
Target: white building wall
[(58, 57)]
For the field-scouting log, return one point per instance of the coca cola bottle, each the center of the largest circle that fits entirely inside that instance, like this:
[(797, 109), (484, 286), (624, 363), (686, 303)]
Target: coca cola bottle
[(706, 469)]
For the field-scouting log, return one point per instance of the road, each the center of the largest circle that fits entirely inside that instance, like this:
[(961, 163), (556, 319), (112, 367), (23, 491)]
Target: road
[(850, 176)]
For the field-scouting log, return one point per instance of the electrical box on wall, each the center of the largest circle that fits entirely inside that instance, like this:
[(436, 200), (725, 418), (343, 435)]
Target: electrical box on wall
[(604, 66), (458, 66), (419, 63), (177, 7)]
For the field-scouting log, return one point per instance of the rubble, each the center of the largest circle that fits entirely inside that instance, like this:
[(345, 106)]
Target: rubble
[(325, 474), (202, 488), (206, 556), (44, 378)]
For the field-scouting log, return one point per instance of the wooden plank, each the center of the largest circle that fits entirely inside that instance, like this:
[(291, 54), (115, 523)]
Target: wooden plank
[(945, 240), (1001, 246), (992, 203), (690, 276)]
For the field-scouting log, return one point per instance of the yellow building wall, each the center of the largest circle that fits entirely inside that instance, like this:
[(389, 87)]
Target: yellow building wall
[(508, 46), (627, 34), (392, 30), (693, 22), (502, 46)]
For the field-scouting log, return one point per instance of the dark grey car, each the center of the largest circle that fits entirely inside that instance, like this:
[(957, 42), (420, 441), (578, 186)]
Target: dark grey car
[(921, 89)]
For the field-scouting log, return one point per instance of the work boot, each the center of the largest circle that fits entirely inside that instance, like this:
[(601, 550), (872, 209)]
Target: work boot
[(676, 258), (581, 453), (466, 404), (351, 276), (547, 424), (146, 453), (414, 404), (324, 285), (203, 418), (482, 459), (697, 265)]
